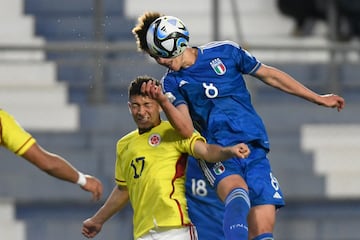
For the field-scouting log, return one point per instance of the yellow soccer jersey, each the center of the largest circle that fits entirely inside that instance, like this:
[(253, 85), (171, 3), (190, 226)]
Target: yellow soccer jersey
[(12, 135), (152, 166)]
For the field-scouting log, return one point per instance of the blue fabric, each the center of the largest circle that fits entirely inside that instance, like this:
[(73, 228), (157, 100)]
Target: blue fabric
[(206, 210), (219, 103), (237, 207), (264, 236)]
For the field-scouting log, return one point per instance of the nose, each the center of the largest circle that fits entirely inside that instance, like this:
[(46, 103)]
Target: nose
[(141, 110), (162, 60)]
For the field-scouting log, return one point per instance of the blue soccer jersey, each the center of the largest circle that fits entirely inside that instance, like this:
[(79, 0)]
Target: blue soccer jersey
[(215, 91), (220, 105), (206, 210)]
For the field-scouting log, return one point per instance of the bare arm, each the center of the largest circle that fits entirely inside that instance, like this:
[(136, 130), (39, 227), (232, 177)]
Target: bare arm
[(58, 167), (283, 81), (117, 200), (179, 116), (216, 153)]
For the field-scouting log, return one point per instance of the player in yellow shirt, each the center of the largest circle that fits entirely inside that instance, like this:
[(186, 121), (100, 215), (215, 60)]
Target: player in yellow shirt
[(17, 140), (150, 172)]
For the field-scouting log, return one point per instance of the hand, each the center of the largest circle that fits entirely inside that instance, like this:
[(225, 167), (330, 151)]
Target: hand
[(241, 150), (90, 228), (153, 91), (94, 186), (333, 101)]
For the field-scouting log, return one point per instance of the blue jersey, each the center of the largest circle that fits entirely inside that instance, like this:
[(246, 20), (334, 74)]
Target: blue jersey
[(206, 210), (220, 106), (216, 94)]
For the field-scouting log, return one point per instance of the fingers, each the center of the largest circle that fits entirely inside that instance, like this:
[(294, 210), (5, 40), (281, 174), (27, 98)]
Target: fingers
[(98, 191), (90, 229), (341, 104), (88, 232), (333, 101), (243, 150), (96, 194), (149, 88), (94, 186)]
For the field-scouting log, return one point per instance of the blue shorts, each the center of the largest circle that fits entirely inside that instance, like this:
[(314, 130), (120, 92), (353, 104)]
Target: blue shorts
[(255, 170)]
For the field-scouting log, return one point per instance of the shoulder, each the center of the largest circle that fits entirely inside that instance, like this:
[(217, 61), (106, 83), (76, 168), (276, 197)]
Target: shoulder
[(5, 115), (8, 122), (219, 45), (128, 137)]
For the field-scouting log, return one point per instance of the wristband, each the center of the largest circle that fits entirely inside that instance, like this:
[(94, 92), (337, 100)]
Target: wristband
[(82, 179)]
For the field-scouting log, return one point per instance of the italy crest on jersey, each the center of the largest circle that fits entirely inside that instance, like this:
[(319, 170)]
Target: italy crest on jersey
[(219, 168), (218, 66)]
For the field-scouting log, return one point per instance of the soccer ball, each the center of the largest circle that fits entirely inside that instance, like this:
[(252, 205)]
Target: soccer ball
[(167, 37)]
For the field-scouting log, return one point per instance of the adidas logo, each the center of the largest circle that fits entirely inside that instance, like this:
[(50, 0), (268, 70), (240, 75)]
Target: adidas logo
[(277, 195)]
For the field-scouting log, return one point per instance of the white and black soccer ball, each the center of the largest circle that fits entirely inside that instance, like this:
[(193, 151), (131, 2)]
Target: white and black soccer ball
[(167, 37)]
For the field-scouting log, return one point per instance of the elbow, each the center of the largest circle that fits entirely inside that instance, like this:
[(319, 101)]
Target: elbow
[(48, 168), (186, 133)]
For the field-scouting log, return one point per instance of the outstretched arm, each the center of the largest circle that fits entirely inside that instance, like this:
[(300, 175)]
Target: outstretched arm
[(115, 202), (216, 153), (283, 81), (58, 167)]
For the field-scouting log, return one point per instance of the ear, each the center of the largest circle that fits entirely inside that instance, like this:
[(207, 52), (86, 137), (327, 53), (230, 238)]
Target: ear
[(129, 107)]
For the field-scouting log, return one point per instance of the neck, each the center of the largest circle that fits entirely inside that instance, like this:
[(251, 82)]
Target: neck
[(190, 57), (144, 130)]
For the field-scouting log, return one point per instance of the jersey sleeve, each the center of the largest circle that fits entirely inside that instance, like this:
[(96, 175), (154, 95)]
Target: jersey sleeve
[(172, 90), (246, 62), (119, 175), (13, 136), (188, 144)]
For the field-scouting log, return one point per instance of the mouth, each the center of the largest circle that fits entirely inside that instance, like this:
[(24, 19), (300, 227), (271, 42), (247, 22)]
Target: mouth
[(142, 120)]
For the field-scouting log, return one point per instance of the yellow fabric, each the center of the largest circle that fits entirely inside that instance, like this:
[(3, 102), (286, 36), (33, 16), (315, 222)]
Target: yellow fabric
[(152, 166), (12, 135)]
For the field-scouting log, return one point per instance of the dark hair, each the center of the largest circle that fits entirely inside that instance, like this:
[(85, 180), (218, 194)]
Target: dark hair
[(135, 85), (140, 30)]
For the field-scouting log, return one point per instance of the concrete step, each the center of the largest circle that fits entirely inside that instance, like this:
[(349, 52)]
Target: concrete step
[(58, 118), (41, 96), (14, 230), (11, 8), (24, 26), (7, 54), (7, 209), (332, 160), (22, 56), (342, 185), (329, 136), (24, 40), (10, 228), (27, 74)]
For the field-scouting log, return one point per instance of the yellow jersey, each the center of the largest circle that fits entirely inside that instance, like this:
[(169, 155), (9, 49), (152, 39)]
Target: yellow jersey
[(152, 166), (12, 135)]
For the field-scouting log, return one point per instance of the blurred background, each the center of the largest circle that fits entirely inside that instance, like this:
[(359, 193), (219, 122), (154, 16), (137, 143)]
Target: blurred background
[(64, 71)]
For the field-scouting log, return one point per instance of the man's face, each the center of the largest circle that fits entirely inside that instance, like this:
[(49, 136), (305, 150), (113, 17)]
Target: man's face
[(174, 63), (145, 112)]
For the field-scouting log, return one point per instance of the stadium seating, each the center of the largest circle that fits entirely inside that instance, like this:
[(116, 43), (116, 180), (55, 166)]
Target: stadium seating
[(90, 143), (27, 78), (335, 148), (10, 227)]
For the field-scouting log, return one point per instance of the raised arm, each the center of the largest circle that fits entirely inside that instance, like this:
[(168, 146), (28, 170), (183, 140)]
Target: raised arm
[(179, 116), (283, 81)]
